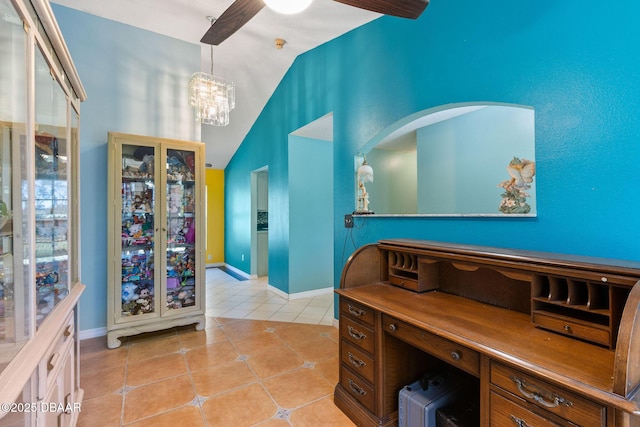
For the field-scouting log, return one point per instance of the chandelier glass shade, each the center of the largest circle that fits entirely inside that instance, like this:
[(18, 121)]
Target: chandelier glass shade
[(212, 99), (288, 6)]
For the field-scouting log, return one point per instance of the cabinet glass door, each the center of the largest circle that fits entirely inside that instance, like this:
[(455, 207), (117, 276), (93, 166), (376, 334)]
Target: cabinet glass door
[(181, 229), (13, 290), (51, 191), (138, 222)]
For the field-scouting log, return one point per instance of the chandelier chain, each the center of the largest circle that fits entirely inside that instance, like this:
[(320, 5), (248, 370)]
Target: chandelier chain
[(211, 59)]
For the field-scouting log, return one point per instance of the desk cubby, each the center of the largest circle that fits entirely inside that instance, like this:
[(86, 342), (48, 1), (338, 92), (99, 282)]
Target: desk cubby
[(583, 309), (404, 270)]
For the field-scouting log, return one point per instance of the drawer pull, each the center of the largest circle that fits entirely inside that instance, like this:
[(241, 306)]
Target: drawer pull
[(540, 397), (356, 362), (67, 331), (356, 311), (52, 361), (456, 355), (356, 333), (393, 327), (356, 388), (519, 421)]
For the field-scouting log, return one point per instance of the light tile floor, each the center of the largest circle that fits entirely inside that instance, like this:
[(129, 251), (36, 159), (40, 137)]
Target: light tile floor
[(250, 299), (261, 361)]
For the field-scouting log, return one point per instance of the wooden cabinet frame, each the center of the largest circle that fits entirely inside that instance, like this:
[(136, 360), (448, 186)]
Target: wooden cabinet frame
[(39, 357), (157, 241)]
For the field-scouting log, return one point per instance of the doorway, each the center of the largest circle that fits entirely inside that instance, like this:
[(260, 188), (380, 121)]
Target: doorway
[(311, 209), (260, 222)]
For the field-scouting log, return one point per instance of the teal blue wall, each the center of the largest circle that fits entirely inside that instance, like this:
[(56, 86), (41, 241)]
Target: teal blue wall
[(575, 62), (310, 214), (136, 82)]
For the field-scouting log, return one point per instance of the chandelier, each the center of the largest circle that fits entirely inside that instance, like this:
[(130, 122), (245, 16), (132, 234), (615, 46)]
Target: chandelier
[(211, 97)]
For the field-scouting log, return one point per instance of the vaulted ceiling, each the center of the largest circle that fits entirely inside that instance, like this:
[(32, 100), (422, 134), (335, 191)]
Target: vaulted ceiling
[(248, 57)]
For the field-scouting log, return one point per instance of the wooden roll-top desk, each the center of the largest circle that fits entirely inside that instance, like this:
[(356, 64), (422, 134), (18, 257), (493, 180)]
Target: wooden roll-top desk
[(543, 339)]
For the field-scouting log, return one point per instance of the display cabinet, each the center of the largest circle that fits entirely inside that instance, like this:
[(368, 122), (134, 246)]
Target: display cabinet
[(40, 95), (156, 244)]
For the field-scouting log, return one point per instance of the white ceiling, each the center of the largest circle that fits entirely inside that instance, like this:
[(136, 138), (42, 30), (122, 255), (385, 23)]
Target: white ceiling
[(248, 58)]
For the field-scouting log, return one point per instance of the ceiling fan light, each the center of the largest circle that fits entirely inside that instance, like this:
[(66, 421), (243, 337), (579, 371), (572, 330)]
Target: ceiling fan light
[(288, 7)]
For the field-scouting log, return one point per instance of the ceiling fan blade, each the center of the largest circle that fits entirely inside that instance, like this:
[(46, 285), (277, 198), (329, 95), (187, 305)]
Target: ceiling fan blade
[(402, 8), (231, 20)]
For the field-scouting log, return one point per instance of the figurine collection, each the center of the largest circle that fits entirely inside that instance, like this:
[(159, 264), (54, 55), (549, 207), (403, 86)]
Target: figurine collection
[(138, 206)]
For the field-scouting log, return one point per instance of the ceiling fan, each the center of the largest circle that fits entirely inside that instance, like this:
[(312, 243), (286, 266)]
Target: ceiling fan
[(241, 11)]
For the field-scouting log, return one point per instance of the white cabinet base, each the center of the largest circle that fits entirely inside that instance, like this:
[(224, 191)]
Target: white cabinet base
[(113, 337)]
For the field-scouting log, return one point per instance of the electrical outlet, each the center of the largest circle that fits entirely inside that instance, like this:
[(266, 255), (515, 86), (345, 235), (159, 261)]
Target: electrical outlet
[(242, 257), (209, 257), (348, 221)]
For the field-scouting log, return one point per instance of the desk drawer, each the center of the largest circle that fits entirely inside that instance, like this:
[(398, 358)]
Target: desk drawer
[(547, 396), (357, 360), (357, 333), (358, 388), (404, 282), (505, 413), (357, 311), (452, 353), (572, 328)]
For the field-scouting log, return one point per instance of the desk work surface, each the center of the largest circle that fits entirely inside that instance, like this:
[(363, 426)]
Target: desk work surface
[(499, 333)]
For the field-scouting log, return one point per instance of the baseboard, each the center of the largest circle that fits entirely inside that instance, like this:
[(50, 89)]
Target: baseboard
[(214, 264), (278, 292), (92, 333), (300, 295), (311, 294), (240, 272)]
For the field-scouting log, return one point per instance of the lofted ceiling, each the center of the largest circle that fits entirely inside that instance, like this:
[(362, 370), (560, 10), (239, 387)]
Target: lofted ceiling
[(248, 58)]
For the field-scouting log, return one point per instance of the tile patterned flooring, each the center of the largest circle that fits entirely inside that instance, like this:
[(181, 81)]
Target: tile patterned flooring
[(250, 299), (237, 372)]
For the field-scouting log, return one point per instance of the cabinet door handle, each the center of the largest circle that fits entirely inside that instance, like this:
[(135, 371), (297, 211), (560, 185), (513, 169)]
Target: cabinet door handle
[(356, 388), (540, 397), (518, 421), (52, 361), (356, 333), (356, 311), (356, 362), (67, 331)]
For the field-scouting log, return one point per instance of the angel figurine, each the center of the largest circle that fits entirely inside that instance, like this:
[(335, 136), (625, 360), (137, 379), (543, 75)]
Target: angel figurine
[(514, 198), (521, 172)]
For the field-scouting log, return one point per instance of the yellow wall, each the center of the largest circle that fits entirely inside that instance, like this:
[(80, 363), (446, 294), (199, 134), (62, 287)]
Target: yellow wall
[(215, 216)]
